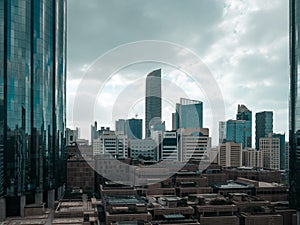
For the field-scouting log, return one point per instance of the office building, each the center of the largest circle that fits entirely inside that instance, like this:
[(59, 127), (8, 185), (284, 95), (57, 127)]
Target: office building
[(94, 132), (153, 100), (270, 147), (245, 114), (222, 132), (230, 154), (143, 149), (111, 142), (193, 143), (263, 126), (287, 156), (282, 149), (72, 136), (238, 131), (294, 114), (169, 150), (252, 158), (133, 128), (189, 114), (32, 103)]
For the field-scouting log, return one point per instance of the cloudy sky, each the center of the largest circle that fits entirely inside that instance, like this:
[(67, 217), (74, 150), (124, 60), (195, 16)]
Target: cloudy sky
[(243, 43)]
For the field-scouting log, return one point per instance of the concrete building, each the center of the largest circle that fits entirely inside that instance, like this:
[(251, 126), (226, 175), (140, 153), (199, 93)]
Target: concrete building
[(110, 142), (230, 155), (252, 158), (144, 149), (193, 143), (271, 150), (125, 208)]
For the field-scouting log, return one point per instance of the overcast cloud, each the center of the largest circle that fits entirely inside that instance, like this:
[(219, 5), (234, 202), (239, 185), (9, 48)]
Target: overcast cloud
[(244, 43)]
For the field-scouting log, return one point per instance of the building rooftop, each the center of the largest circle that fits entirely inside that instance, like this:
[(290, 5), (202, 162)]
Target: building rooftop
[(122, 200)]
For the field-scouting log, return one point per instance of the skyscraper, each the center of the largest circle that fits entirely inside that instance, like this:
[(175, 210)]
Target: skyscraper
[(32, 103), (294, 132), (237, 131), (263, 126), (153, 100), (245, 114), (189, 114)]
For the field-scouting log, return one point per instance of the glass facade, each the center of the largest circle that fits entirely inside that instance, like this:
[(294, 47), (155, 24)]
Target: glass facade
[(32, 95), (294, 132), (235, 132), (133, 128), (189, 114), (245, 114), (263, 126), (153, 100)]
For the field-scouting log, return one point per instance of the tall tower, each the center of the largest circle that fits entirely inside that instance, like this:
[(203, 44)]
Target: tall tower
[(245, 114), (32, 103), (263, 126), (153, 100), (294, 132)]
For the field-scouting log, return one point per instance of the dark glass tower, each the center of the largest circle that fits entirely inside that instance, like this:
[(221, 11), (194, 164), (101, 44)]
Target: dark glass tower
[(32, 102), (263, 126), (294, 133), (153, 100)]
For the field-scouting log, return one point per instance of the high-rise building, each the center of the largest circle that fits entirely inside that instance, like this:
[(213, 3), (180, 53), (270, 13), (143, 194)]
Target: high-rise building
[(245, 114), (189, 114), (153, 100), (193, 143), (169, 150), (252, 158), (294, 132), (32, 103), (111, 143), (237, 131), (282, 149), (263, 126), (133, 128), (230, 154), (94, 132), (222, 132), (270, 147)]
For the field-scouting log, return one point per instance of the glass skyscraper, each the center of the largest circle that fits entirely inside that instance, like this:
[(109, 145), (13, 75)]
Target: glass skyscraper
[(32, 103), (240, 130), (153, 100), (189, 114), (245, 114), (294, 132), (263, 126)]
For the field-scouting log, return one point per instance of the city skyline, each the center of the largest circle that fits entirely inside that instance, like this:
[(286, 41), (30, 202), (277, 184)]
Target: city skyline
[(252, 60)]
